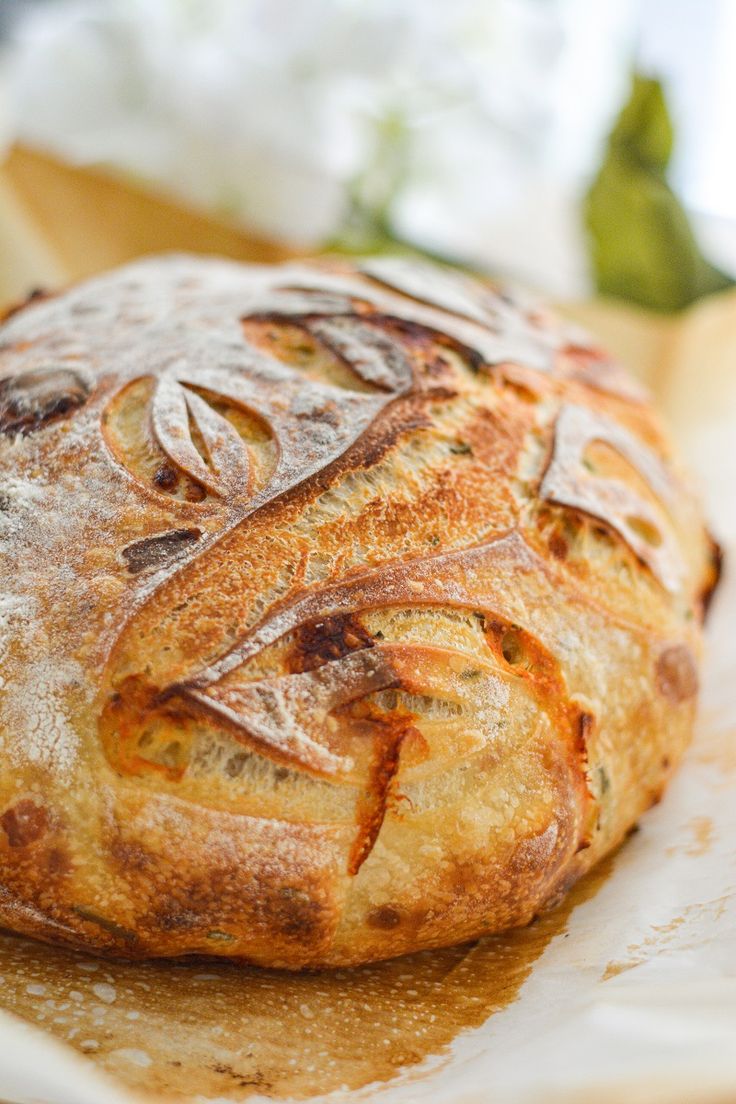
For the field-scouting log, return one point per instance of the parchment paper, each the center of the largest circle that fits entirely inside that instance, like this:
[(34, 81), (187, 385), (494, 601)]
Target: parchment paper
[(628, 991)]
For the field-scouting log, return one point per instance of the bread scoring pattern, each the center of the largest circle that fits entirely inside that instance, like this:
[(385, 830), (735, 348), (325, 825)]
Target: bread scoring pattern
[(573, 481), (371, 575)]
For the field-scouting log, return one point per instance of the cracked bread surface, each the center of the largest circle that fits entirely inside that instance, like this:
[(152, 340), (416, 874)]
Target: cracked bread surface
[(345, 610)]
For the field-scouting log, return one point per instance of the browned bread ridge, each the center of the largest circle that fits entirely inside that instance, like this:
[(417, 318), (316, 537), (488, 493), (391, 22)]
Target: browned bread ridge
[(344, 610)]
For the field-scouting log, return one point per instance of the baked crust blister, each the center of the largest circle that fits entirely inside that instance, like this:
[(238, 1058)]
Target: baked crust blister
[(345, 611)]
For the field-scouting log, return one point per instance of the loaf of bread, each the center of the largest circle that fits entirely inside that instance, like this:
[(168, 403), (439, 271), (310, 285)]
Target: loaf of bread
[(344, 610)]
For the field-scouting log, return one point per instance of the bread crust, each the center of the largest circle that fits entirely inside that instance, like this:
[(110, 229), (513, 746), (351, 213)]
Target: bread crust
[(345, 610)]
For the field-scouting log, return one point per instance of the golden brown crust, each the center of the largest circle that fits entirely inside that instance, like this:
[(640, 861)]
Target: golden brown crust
[(344, 611)]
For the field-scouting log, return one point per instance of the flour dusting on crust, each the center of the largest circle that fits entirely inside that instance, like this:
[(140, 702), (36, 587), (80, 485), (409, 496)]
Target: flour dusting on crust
[(322, 637)]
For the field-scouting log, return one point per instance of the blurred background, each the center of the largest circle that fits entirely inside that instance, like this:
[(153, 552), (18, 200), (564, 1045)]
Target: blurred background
[(474, 129), (584, 148)]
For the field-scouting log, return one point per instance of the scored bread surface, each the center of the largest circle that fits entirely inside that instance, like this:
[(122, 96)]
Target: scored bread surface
[(344, 610)]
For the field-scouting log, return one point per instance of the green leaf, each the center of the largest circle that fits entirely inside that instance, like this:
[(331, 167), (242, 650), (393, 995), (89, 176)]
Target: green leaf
[(642, 246)]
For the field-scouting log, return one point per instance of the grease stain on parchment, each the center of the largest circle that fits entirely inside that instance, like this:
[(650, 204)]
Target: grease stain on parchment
[(700, 829), (208, 1028), (716, 747), (683, 932)]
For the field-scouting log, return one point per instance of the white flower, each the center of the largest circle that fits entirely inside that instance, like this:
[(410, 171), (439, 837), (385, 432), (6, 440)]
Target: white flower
[(281, 114)]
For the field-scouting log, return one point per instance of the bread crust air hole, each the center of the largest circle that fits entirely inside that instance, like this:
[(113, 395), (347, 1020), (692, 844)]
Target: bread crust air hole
[(645, 529), (154, 552), (24, 823), (512, 648), (32, 400), (677, 673)]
